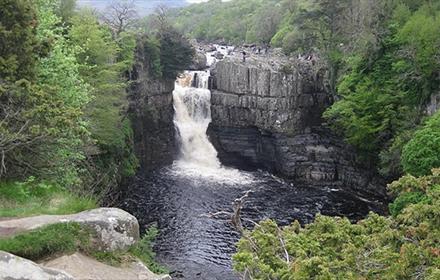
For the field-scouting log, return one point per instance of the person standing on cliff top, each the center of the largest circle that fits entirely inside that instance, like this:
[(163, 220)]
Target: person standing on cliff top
[(244, 56)]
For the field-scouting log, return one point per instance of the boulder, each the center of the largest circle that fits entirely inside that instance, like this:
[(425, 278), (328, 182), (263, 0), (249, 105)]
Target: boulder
[(199, 61), (210, 48), (115, 229), (219, 55), (16, 268)]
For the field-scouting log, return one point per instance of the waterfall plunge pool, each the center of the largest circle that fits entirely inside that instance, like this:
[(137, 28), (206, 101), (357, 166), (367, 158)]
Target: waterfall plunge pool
[(179, 197)]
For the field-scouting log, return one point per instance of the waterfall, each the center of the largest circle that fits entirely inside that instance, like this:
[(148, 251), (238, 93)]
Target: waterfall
[(197, 157), (192, 107)]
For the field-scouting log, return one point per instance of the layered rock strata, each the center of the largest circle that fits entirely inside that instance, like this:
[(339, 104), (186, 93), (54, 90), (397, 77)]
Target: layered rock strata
[(151, 112), (268, 114)]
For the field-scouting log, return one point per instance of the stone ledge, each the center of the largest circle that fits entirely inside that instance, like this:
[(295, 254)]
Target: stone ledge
[(15, 268), (115, 228)]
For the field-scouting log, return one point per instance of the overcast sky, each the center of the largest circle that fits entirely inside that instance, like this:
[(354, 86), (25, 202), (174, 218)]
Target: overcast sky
[(144, 6)]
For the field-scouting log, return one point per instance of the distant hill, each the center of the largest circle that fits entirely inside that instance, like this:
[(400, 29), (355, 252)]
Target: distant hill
[(145, 7)]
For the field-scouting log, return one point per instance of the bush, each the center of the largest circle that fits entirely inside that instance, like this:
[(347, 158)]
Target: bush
[(422, 153), (143, 250), (406, 199), (404, 246)]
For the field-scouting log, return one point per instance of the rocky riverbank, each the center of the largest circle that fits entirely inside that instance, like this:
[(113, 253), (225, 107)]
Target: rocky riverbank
[(112, 230)]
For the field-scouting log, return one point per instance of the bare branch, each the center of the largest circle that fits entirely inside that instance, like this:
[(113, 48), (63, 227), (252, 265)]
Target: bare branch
[(283, 245), (120, 15), (234, 216)]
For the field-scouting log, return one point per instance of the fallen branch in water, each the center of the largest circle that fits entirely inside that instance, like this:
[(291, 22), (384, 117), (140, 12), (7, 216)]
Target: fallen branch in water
[(234, 216)]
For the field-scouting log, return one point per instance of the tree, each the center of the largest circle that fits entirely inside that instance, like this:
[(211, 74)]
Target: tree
[(105, 62), (265, 24), (19, 46), (322, 22), (176, 53), (120, 15), (383, 95), (41, 125), (66, 9)]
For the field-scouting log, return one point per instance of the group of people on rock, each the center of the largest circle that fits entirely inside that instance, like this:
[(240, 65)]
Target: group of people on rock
[(255, 50)]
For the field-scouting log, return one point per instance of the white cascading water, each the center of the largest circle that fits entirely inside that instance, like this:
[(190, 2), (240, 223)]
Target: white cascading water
[(192, 115)]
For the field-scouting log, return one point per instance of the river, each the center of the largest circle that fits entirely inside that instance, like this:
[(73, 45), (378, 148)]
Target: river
[(181, 197)]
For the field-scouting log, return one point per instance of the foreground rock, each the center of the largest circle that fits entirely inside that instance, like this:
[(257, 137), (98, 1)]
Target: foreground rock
[(16, 268), (86, 268), (115, 229)]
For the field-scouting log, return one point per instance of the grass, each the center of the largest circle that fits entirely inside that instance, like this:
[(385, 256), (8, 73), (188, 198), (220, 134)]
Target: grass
[(142, 250), (21, 199), (67, 238), (56, 239)]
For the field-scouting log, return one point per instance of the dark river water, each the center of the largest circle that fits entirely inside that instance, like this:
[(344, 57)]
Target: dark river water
[(195, 246), (180, 197)]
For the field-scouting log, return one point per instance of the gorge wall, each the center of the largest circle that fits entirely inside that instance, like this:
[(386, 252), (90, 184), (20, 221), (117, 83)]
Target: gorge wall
[(268, 115), (151, 112)]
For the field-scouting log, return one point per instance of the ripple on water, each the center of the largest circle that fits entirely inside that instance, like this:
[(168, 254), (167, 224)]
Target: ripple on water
[(196, 246)]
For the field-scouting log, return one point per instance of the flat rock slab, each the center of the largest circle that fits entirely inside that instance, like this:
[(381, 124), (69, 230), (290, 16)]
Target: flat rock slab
[(115, 228), (15, 268), (86, 268)]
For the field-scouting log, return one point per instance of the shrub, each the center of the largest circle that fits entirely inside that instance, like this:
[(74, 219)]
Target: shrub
[(143, 250), (404, 246), (422, 152)]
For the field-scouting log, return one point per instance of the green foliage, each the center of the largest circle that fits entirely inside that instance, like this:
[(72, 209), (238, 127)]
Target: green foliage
[(176, 52), (404, 246), (404, 200), (422, 152), (152, 49), (47, 241), (373, 108), (42, 128), (67, 123), (19, 199), (19, 46), (143, 250), (381, 100), (235, 21), (66, 9)]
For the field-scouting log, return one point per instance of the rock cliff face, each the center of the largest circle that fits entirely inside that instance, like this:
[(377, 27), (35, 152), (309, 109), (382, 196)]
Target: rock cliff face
[(270, 116), (433, 105), (151, 112)]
